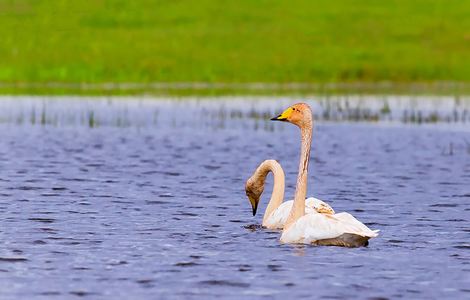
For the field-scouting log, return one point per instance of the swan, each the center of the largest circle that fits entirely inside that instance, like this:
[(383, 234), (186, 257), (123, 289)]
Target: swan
[(340, 229), (277, 211)]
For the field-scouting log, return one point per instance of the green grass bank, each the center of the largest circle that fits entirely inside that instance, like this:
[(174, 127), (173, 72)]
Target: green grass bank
[(62, 46)]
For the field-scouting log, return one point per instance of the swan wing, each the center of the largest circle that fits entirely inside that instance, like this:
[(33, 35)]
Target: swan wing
[(310, 228), (315, 227), (356, 227)]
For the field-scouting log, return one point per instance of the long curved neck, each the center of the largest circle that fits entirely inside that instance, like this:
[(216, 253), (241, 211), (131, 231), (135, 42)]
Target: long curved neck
[(298, 208), (277, 195)]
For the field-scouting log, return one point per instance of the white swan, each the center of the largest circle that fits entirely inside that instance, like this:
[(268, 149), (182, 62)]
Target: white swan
[(277, 211), (316, 228)]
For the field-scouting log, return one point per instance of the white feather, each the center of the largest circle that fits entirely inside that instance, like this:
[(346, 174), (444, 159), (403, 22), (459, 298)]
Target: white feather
[(314, 227), (279, 217)]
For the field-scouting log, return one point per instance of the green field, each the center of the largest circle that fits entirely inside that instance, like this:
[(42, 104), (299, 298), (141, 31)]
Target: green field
[(222, 42)]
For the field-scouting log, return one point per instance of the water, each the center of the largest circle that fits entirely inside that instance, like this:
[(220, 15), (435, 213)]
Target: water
[(144, 199)]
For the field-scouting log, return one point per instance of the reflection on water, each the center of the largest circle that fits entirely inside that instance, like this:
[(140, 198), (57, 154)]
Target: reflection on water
[(121, 112), (138, 199)]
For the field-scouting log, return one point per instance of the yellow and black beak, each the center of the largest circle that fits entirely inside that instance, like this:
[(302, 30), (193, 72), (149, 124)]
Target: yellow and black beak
[(283, 117), (278, 118)]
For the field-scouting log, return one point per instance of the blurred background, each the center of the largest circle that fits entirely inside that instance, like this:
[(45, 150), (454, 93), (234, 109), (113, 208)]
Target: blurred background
[(117, 46)]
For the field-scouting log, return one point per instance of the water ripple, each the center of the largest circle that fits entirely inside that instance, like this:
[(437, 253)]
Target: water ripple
[(157, 209)]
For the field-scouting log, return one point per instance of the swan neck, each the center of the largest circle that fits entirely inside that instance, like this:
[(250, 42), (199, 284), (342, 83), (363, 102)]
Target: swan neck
[(298, 208), (277, 195)]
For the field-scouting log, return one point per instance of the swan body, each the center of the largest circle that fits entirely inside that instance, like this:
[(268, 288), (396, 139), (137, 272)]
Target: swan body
[(340, 229)]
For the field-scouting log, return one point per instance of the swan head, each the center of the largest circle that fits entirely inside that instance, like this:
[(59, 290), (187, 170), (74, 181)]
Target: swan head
[(298, 114), (253, 190)]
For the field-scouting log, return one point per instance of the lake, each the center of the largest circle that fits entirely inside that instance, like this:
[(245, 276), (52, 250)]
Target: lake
[(142, 198)]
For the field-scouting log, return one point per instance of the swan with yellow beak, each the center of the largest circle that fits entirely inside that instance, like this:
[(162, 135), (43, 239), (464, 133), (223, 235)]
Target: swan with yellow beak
[(307, 221)]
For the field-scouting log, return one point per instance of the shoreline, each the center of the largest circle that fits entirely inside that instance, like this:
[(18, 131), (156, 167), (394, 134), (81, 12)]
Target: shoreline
[(441, 88)]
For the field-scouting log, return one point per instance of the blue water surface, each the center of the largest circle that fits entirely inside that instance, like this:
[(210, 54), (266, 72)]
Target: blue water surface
[(144, 199)]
